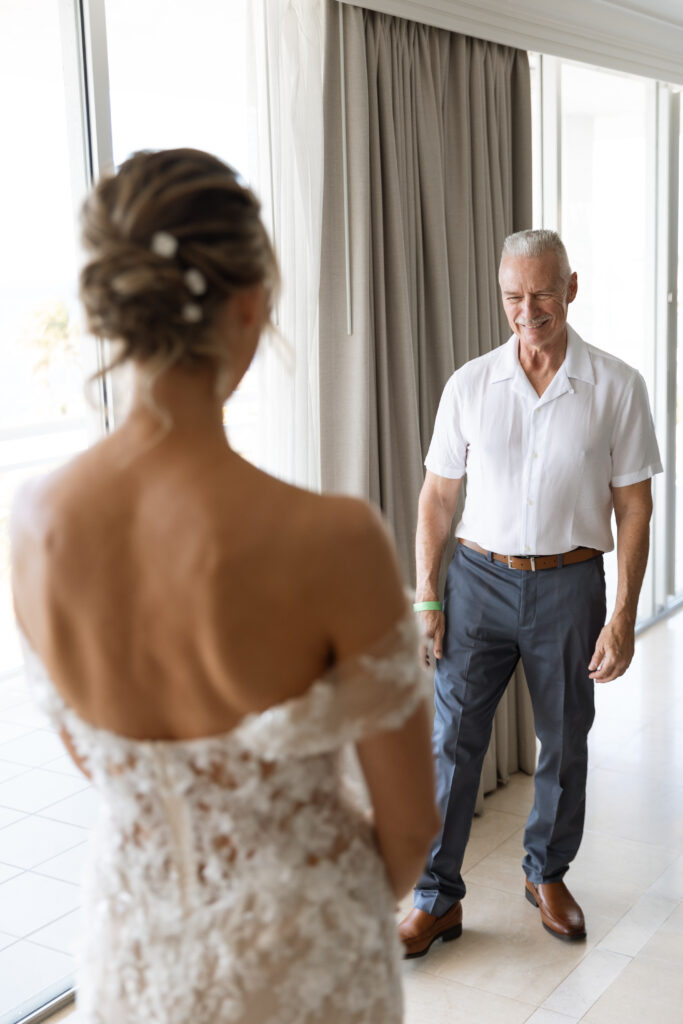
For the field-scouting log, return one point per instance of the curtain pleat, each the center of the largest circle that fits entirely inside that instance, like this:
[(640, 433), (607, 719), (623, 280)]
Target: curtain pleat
[(438, 134), (285, 80)]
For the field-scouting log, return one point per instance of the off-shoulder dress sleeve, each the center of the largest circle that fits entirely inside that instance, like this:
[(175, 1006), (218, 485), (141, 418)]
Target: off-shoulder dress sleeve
[(374, 691), (43, 692), (48, 699)]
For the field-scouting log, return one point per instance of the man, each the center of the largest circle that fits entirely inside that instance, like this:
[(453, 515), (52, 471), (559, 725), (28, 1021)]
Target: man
[(552, 434)]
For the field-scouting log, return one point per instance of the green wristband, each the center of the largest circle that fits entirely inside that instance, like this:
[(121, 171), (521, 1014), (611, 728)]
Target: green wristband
[(427, 606)]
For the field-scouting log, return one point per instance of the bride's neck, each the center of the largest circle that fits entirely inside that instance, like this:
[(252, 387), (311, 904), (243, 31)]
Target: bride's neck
[(186, 398)]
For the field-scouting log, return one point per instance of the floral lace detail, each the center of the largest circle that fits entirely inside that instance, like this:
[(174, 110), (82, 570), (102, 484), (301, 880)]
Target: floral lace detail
[(230, 878)]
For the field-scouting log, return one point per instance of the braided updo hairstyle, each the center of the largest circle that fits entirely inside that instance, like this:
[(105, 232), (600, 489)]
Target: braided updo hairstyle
[(159, 301)]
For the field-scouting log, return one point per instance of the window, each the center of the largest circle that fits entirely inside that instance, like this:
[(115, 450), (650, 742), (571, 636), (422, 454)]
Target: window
[(678, 371), (44, 419), (599, 145), (607, 218), (166, 94), (161, 92), (607, 212)]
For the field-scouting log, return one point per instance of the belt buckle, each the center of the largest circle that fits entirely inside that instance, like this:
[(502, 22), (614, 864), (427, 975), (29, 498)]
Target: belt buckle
[(532, 559)]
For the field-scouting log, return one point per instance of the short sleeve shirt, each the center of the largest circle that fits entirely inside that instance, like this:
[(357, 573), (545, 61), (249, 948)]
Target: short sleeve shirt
[(540, 471)]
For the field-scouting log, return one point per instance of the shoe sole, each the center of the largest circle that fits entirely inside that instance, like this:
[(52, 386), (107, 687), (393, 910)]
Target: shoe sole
[(551, 931), (451, 933)]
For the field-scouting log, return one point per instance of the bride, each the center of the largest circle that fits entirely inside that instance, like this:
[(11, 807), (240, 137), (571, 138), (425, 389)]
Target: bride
[(207, 639)]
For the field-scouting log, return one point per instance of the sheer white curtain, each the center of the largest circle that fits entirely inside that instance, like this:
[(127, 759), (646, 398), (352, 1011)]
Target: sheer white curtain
[(286, 75)]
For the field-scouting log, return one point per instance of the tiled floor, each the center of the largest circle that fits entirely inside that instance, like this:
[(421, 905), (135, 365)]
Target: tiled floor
[(46, 808), (506, 969), (628, 877)]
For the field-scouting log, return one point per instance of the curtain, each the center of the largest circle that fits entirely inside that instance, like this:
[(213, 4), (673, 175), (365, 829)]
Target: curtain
[(427, 155), (286, 86)]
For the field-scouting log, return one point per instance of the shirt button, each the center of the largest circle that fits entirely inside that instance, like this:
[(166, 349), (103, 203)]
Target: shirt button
[(529, 501), (534, 455)]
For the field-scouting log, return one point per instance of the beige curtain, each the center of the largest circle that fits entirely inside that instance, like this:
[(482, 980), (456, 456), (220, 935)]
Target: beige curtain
[(434, 156)]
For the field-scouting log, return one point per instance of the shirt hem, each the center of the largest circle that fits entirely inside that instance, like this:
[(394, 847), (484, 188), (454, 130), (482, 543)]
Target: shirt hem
[(635, 478), (604, 545), (449, 474)]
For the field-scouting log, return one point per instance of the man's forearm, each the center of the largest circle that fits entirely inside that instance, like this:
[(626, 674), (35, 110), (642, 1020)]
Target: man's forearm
[(633, 544), (435, 511), (433, 527), (615, 644)]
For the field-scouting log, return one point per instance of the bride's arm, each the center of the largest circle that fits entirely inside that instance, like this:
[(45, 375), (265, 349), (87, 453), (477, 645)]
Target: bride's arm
[(399, 773), (369, 600)]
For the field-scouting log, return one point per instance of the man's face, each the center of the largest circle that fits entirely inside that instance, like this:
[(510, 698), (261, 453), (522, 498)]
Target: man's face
[(536, 298)]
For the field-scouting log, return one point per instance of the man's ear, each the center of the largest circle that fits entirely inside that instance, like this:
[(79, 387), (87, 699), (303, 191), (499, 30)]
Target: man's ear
[(573, 287)]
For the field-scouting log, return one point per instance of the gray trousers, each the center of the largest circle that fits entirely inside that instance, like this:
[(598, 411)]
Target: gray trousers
[(494, 616)]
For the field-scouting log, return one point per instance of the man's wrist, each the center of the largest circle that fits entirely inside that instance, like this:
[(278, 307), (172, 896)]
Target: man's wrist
[(427, 587), (427, 606), (625, 615)]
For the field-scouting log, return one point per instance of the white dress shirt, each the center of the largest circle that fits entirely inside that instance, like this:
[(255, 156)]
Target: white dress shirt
[(540, 470)]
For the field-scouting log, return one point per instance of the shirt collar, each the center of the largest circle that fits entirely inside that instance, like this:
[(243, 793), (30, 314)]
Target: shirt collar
[(506, 361), (577, 361)]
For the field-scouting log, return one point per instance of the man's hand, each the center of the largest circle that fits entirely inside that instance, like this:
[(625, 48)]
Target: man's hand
[(613, 650), (435, 511), (433, 627)]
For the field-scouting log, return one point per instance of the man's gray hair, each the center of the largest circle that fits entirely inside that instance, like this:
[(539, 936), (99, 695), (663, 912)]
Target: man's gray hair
[(535, 243)]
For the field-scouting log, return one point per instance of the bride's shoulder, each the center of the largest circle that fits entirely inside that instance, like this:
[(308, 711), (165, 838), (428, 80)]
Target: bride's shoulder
[(34, 510), (37, 529), (359, 573), (330, 514), (43, 507), (347, 534), (322, 520), (340, 560), (50, 493)]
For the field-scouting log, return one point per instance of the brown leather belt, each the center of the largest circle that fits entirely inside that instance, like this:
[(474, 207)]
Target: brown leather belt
[(535, 562)]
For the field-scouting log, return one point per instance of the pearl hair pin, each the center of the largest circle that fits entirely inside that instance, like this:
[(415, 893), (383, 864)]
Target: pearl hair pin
[(191, 313), (195, 282), (164, 244)]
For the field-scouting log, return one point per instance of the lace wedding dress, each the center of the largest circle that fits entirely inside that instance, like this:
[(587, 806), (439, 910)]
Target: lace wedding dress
[(231, 879)]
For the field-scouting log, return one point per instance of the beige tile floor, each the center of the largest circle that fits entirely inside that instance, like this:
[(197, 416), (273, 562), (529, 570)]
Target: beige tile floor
[(45, 813), (628, 877)]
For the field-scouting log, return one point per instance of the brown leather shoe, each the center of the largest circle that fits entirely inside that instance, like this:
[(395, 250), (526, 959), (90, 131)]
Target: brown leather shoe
[(419, 929), (561, 915)]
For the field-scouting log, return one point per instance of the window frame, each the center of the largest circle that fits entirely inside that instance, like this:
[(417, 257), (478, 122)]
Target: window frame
[(82, 42), (659, 587)]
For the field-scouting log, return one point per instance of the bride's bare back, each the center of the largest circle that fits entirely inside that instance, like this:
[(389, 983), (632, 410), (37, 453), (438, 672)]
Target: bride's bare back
[(169, 586), (173, 591)]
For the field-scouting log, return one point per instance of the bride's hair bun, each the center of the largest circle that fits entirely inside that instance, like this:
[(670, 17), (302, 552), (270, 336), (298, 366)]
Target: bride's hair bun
[(169, 238)]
